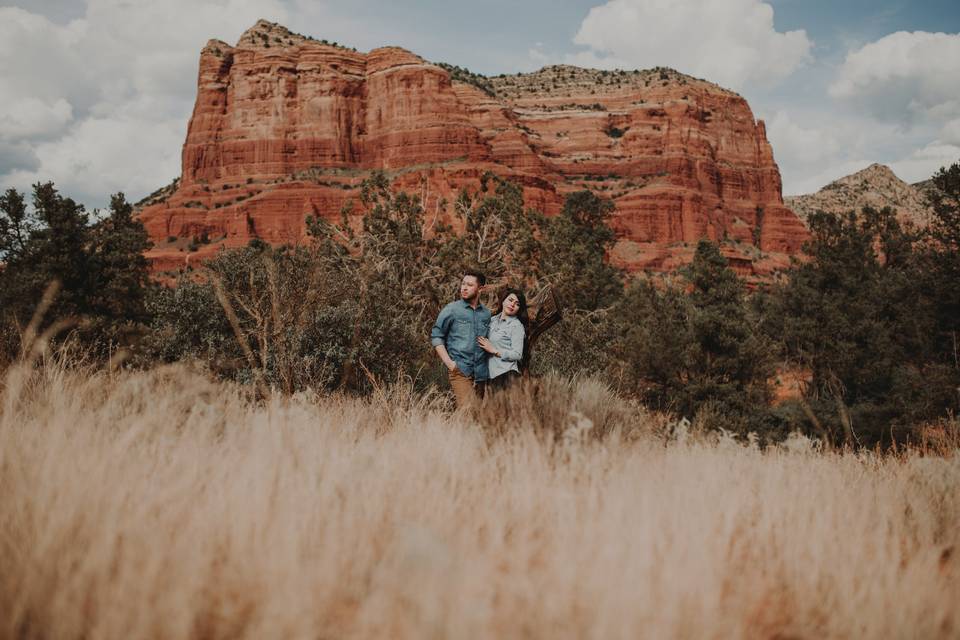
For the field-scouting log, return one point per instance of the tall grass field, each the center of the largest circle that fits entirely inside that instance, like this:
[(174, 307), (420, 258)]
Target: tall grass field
[(163, 505)]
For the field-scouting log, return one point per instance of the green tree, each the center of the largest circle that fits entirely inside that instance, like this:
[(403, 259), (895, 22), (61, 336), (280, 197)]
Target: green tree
[(500, 237), (693, 347), (50, 243), (16, 225), (278, 317), (732, 359), (855, 314), (118, 297), (655, 338), (943, 260), (390, 263), (575, 247), (100, 267)]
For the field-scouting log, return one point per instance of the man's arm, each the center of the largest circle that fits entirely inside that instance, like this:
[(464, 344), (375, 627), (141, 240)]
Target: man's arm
[(447, 360), (438, 337)]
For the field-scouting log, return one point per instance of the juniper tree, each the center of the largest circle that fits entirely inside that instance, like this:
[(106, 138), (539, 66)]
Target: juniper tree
[(118, 296)]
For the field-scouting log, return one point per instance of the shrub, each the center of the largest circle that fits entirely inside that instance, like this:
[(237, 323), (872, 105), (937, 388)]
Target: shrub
[(293, 322)]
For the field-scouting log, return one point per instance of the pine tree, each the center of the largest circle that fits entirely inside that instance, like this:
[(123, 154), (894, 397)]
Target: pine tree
[(119, 293), (575, 247), (16, 225), (655, 337), (100, 268), (730, 361), (693, 346), (944, 261)]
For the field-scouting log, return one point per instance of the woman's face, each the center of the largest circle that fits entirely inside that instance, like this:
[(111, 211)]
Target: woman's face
[(511, 305)]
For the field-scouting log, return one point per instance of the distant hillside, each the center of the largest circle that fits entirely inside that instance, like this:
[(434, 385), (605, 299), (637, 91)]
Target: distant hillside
[(876, 186)]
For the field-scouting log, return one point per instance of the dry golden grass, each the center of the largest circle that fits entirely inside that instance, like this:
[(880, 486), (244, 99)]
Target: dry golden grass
[(161, 505)]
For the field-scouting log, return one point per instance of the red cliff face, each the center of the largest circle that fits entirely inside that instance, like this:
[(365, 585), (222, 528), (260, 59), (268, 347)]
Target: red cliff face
[(285, 127)]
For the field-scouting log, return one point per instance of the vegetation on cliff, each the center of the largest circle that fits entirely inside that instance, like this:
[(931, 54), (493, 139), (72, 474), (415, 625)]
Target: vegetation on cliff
[(868, 319)]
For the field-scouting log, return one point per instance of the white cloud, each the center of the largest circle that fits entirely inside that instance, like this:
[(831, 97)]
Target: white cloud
[(30, 117), (537, 55), (908, 79), (103, 101), (833, 169), (904, 77), (950, 134), (810, 156), (39, 62), (924, 162), (799, 145), (17, 155), (815, 147), (731, 42), (100, 156)]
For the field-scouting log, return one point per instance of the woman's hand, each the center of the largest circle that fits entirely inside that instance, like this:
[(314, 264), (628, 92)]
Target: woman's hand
[(487, 346)]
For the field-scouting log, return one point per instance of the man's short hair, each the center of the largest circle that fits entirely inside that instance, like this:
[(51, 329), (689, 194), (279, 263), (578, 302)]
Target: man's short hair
[(481, 279)]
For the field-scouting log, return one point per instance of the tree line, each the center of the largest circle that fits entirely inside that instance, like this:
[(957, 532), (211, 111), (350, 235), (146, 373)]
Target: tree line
[(867, 320)]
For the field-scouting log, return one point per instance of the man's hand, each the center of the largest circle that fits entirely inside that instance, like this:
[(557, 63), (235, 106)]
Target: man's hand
[(445, 358)]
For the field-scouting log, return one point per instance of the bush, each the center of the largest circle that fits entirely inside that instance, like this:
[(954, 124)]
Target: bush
[(580, 345), (294, 323)]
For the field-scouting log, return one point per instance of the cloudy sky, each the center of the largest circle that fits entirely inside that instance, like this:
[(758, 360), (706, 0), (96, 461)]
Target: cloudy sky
[(96, 94)]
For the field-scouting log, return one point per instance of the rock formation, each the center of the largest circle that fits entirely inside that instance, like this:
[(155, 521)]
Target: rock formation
[(876, 186), (285, 126)]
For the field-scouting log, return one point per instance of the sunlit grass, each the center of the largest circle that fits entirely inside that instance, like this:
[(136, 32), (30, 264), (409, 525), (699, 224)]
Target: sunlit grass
[(164, 505)]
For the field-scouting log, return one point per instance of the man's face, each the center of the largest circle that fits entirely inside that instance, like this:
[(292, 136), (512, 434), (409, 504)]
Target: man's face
[(469, 287)]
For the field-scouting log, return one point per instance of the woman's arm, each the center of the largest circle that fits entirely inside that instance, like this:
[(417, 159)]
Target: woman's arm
[(515, 352)]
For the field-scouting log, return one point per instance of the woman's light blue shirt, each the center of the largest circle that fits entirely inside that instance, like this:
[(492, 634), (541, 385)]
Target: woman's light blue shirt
[(506, 335)]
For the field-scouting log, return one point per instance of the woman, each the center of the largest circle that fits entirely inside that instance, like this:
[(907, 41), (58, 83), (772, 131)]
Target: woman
[(508, 329)]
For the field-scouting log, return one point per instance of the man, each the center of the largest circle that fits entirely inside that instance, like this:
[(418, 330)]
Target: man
[(454, 337)]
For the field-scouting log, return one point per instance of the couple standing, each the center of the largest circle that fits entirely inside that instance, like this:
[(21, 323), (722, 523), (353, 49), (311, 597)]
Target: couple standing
[(480, 349)]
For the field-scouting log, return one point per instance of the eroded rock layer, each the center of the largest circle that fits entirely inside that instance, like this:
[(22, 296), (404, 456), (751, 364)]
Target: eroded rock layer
[(285, 127)]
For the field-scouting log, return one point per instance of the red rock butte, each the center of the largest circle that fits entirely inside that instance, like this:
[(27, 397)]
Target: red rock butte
[(286, 126)]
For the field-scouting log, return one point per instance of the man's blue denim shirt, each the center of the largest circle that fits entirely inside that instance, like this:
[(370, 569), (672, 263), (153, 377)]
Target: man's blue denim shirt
[(457, 328)]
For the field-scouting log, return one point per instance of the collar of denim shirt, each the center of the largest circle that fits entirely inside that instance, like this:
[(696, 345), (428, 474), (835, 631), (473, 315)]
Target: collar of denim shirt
[(480, 306)]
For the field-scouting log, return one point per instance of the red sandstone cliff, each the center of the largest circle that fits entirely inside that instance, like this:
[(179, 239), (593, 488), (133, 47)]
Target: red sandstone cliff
[(285, 126)]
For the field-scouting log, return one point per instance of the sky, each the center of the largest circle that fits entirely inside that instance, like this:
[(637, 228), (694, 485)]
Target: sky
[(96, 94)]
